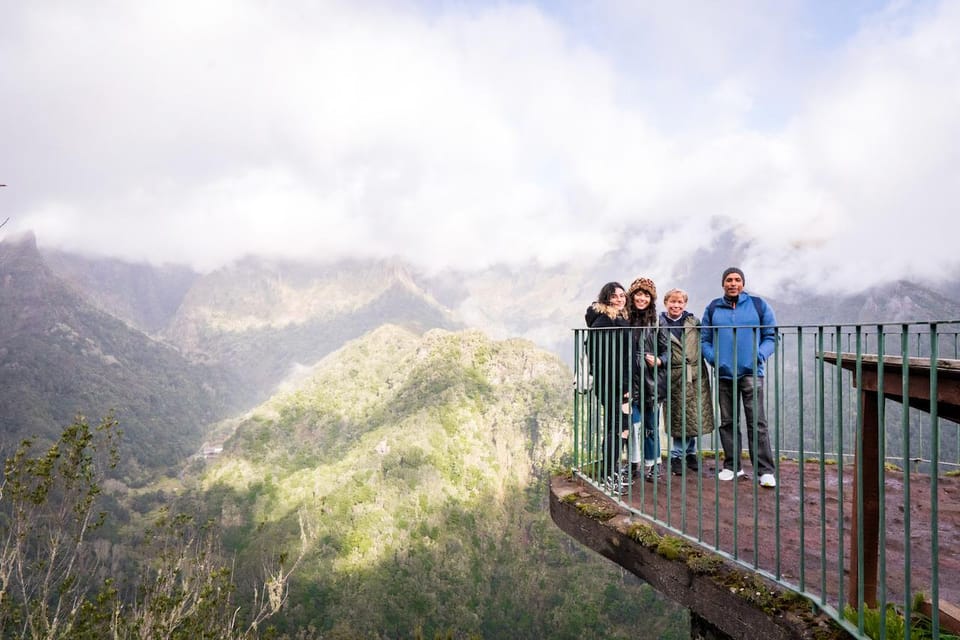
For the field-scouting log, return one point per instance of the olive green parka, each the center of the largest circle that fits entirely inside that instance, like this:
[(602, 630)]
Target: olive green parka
[(689, 405)]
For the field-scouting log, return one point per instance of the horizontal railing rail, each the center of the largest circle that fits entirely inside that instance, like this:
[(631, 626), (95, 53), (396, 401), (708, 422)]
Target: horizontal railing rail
[(863, 426)]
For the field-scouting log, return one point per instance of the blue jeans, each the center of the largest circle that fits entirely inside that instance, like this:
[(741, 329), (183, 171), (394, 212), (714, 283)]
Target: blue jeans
[(676, 447), (649, 421)]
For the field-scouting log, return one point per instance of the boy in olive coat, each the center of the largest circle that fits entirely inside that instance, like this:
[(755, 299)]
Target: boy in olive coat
[(689, 403)]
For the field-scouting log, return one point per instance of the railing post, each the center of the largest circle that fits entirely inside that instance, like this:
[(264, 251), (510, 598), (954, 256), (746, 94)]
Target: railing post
[(934, 481)]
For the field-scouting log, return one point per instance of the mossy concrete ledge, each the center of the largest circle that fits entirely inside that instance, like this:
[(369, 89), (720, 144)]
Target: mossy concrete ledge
[(725, 600)]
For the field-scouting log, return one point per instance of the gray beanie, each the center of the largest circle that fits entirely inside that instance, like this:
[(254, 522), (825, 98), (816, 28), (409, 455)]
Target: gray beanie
[(730, 270)]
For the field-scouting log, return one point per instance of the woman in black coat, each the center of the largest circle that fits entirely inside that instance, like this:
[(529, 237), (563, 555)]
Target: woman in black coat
[(608, 345)]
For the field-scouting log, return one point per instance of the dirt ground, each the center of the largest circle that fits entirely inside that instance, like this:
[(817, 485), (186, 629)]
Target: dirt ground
[(812, 549)]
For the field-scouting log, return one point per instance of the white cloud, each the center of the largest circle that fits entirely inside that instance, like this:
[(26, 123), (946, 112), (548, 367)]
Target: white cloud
[(500, 133)]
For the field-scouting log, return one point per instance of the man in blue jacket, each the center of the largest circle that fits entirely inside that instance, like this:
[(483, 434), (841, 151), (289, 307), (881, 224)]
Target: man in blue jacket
[(738, 335)]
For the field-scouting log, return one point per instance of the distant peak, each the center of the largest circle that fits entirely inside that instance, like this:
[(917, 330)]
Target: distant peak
[(20, 248), (26, 239)]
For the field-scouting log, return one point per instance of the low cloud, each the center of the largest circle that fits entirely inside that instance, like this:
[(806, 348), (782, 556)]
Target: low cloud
[(483, 135)]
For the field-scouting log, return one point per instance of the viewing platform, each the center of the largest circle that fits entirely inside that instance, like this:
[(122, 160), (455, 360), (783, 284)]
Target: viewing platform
[(865, 514)]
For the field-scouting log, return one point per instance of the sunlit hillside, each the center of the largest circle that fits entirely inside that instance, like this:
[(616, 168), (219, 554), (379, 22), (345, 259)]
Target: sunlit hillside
[(418, 465)]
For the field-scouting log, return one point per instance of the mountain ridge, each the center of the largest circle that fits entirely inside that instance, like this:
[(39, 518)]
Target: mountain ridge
[(530, 301), (61, 355), (263, 319)]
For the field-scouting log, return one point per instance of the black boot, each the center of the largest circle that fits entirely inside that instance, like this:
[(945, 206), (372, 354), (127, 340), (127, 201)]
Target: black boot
[(676, 466), (693, 462)]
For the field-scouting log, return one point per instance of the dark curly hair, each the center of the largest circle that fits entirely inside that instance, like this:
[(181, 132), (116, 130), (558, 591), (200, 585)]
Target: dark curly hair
[(607, 291)]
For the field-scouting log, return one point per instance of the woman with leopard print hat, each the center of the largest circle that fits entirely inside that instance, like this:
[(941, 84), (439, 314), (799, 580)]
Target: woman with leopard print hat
[(651, 349)]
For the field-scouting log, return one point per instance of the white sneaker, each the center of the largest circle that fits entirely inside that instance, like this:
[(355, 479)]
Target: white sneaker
[(727, 474), (768, 480)]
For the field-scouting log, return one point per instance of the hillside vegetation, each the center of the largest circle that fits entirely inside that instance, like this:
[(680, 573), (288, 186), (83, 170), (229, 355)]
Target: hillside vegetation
[(419, 465), (60, 356)]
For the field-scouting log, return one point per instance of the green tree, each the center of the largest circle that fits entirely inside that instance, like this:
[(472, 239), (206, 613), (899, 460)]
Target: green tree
[(52, 584)]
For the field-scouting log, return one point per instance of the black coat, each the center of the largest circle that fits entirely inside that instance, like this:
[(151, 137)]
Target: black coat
[(609, 349), (650, 382)]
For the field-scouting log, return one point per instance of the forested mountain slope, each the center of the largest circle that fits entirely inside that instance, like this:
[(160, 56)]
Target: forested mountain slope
[(419, 465), (60, 356)]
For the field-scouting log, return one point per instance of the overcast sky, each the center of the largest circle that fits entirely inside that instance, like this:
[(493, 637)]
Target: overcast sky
[(824, 135)]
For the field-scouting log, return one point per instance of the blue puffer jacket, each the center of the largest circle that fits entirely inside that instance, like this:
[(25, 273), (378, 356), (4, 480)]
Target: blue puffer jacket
[(756, 335)]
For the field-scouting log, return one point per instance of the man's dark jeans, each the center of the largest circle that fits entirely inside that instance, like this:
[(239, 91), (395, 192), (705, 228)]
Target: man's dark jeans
[(750, 390)]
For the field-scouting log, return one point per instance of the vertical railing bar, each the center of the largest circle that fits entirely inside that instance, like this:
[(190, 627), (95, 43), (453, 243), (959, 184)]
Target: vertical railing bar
[(736, 441), (752, 430), (593, 418), (615, 381), (590, 411), (667, 475), (923, 443), (780, 382), (656, 488), (633, 440), (581, 444), (596, 409), (621, 336), (600, 384), (637, 370), (683, 420), (956, 432), (604, 402), (800, 463), (881, 490), (858, 478), (821, 443), (851, 401), (578, 375), (838, 439), (905, 422), (622, 340), (625, 475), (776, 447), (626, 399), (700, 461), (716, 454), (934, 482), (612, 383)]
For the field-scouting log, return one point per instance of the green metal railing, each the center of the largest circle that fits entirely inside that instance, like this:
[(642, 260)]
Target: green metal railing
[(863, 427)]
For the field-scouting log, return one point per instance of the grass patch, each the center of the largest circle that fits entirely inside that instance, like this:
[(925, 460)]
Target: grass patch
[(921, 626)]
